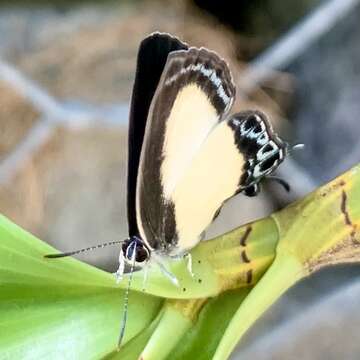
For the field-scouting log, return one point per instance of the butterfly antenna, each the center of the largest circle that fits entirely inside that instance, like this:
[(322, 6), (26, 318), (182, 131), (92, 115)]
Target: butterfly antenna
[(281, 181), (70, 253), (126, 300)]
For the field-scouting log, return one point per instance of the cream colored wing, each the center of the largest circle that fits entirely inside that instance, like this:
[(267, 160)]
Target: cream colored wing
[(213, 177), (236, 156)]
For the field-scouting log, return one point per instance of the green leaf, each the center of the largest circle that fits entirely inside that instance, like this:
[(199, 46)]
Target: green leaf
[(65, 308), (60, 309), (203, 339), (320, 230)]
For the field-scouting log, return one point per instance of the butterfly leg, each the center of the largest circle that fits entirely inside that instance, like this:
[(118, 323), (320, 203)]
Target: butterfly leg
[(165, 271), (120, 271)]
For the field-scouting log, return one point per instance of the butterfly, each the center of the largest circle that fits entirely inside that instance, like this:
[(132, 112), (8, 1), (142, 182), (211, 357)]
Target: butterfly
[(187, 154)]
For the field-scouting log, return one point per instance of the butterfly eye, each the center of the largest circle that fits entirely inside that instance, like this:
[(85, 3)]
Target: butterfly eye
[(142, 254), (137, 245)]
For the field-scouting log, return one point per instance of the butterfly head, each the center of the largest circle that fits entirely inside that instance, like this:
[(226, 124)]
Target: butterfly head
[(135, 248)]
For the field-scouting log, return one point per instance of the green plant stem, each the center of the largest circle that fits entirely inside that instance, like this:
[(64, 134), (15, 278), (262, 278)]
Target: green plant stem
[(171, 328), (282, 274), (133, 349), (230, 261)]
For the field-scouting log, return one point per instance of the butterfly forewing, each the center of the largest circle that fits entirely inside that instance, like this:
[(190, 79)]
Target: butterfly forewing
[(193, 96), (236, 155), (151, 60)]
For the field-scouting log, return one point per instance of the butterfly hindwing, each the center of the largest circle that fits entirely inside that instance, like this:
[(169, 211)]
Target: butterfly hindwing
[(235, 157), (193, 96), (213, 177), (151, 60), (262, 149)]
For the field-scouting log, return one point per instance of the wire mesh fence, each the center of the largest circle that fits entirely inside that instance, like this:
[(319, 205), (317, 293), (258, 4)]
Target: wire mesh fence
[(55, 113)]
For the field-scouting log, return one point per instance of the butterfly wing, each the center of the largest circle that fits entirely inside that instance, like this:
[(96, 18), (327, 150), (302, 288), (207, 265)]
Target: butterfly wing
[(260, 146), (194, 95), (236, 156), (151, 60)]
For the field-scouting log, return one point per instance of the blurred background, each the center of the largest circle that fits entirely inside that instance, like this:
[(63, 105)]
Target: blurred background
[(66, 73)]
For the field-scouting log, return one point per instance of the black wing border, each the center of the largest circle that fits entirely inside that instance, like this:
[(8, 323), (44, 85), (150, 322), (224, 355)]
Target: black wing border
[(151, 59)]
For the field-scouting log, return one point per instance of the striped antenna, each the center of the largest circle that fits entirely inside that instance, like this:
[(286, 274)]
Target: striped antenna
[(53, 256), (126, 298)]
